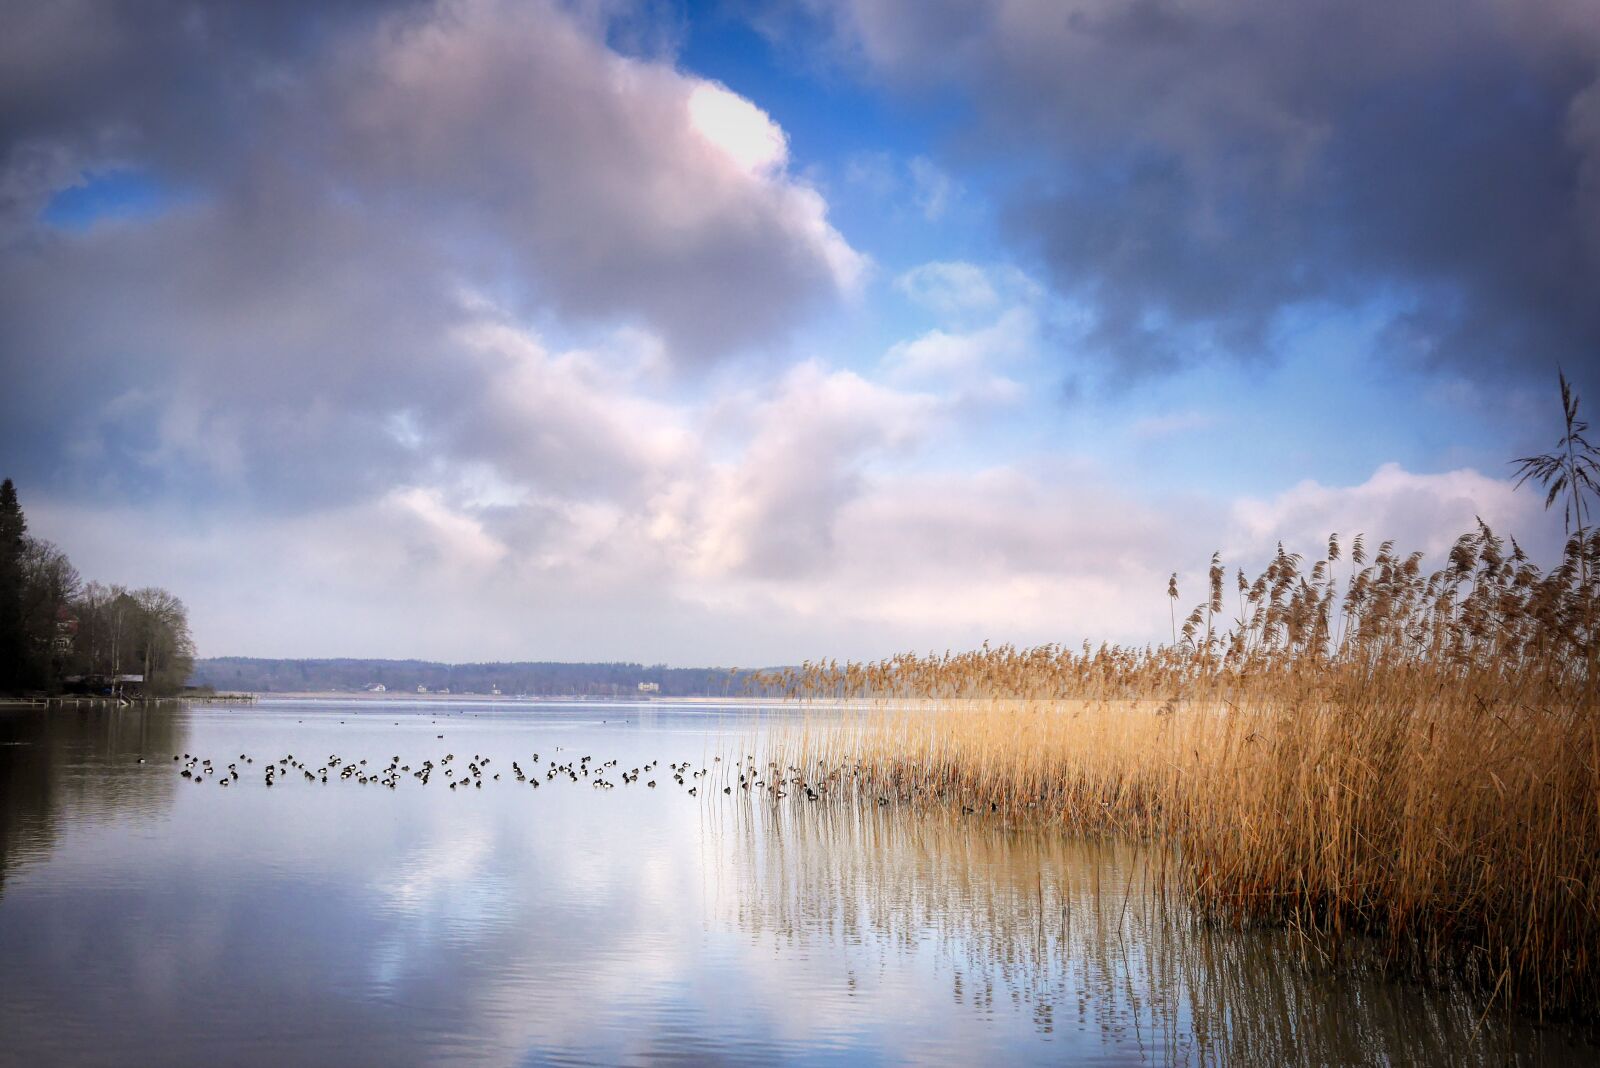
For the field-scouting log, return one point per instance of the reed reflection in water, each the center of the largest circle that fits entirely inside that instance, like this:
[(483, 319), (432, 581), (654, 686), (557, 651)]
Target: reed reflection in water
[(1071, 936)]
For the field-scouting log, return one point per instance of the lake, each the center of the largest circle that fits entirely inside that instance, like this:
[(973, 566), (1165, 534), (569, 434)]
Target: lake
[(151, 918)]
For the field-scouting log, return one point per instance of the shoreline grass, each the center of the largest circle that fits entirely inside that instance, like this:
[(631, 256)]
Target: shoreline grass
[(1412, 759)]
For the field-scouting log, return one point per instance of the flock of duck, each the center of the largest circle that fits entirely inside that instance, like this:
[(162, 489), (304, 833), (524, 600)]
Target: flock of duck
[(743, 775)]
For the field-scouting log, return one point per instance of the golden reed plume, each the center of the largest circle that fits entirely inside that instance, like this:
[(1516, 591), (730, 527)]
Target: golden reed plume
[(1413, 758)]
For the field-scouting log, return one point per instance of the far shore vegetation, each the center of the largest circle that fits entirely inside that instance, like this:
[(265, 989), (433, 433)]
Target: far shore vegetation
[(509, 678), (58, 633)]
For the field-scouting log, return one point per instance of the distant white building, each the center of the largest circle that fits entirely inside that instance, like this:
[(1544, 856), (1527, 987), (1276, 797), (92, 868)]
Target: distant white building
[(649, 687), (421, 688), (377, 687)]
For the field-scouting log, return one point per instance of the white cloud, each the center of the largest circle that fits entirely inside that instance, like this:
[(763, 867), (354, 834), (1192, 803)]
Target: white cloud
[(1419, 511), (949, 287), (738, 128), (570, 503), (968, 364), (459, 538), (565, 421), (624, 186), (772, 513), (933, 190)]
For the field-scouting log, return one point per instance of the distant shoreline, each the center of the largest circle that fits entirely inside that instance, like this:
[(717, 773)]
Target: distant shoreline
[(504, 698), (352, 677)]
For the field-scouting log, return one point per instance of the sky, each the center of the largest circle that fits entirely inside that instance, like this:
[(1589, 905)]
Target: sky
[(740, 333)]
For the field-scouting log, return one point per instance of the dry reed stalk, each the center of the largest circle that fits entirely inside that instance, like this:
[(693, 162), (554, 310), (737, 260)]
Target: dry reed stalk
[(1410, 757)]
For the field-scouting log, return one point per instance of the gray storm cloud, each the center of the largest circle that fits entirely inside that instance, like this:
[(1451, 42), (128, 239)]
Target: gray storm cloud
[(342, 184), (1194, 169)]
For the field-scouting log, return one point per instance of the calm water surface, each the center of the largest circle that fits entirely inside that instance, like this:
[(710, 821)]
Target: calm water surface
[(149, 919)]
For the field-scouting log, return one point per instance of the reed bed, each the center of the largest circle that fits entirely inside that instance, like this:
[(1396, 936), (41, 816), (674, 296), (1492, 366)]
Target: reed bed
[(1406, 757), (1075, 933)]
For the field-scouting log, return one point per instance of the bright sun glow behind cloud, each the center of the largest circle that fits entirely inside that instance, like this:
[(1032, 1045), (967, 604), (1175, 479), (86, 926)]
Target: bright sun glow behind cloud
[(738, 128)]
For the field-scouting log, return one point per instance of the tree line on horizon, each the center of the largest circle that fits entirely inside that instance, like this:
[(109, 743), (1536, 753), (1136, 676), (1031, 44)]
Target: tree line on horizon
[(58, 632), (533, 678)]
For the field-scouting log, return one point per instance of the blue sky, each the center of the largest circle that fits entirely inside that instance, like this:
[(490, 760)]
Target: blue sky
[(742, 332)]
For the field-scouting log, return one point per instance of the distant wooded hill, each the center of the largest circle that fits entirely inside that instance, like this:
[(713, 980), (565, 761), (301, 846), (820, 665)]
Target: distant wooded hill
[(404, 676)]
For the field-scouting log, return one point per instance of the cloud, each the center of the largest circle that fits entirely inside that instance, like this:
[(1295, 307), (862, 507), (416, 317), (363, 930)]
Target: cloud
[(737, 128), (355, 185), (993, 321), (822, 532), (1194, 170), (226, 350), (569, 422), (622, 187), (913, 186), (967, 364), (932, 188), (407, 338), (949, 287), (773, 513), (1425, 512)]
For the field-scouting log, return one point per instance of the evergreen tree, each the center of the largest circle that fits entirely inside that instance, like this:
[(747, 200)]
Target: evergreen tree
[(13, 634), (51, 625)]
